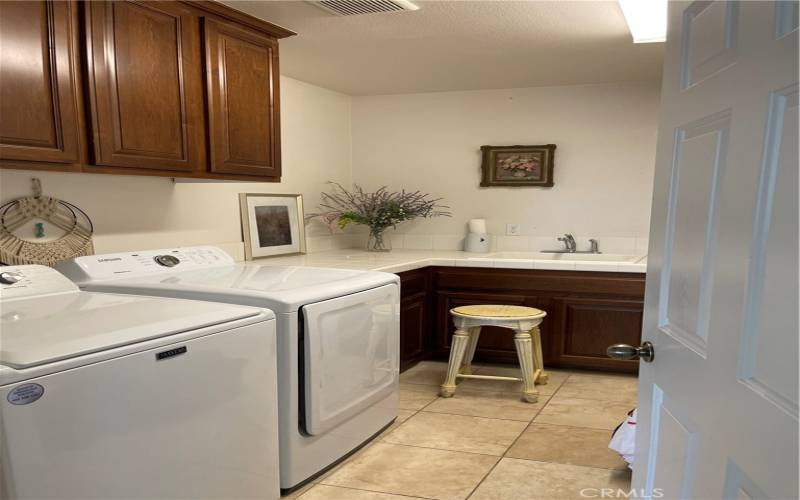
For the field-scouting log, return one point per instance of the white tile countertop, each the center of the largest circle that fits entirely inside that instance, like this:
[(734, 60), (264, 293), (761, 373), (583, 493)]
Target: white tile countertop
[(406, 260)]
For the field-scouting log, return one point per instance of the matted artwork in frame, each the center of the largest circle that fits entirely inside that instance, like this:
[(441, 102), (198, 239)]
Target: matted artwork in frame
[(518, 165), (272, 224)]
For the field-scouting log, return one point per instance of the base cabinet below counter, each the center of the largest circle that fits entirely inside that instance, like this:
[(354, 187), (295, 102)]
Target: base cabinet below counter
[(586, 312)]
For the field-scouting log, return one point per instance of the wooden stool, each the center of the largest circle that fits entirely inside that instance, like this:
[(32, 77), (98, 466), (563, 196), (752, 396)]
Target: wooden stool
[(523, 320)]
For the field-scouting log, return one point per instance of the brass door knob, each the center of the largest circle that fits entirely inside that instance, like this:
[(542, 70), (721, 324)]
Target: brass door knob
[(645, 352)]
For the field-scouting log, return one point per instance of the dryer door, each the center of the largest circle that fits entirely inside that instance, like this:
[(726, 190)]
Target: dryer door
[(351, 355)]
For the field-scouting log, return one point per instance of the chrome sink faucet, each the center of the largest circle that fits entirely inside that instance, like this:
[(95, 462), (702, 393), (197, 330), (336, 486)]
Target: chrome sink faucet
[(571, 247), (569, 243)]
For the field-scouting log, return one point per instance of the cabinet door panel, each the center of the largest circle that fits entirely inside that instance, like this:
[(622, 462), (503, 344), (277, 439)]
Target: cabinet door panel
[(145, 85), (413, 328), (587, 326), (38, 101), (243, 107)]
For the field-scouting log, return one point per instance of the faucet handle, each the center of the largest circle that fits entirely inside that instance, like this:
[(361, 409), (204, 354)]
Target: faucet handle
[(594, 246)]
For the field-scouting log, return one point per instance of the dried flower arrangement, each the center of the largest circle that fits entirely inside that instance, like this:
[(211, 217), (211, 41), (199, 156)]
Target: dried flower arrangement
[(379, 210)]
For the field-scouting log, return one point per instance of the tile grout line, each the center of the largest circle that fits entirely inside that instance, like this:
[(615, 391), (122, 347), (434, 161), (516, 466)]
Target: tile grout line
[(481, 416), (441, 449), (515, 441), (362, 489)]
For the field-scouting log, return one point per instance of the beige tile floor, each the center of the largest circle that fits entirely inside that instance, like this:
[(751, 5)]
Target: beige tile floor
[(486, 444)]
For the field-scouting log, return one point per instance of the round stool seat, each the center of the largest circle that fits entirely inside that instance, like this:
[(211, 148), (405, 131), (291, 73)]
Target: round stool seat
[(498, 311), (522, 321)]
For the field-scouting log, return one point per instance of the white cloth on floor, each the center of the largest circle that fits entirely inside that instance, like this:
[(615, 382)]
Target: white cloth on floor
[(624, 439)]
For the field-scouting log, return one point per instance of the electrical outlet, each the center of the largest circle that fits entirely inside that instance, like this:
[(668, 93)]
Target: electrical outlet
[(512, 230)]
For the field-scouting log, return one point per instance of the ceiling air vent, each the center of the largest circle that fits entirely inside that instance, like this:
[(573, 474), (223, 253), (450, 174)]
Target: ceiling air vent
[(357, 7)]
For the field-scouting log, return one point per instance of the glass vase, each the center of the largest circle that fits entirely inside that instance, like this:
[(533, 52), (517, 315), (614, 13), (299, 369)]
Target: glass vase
[(378, 241)]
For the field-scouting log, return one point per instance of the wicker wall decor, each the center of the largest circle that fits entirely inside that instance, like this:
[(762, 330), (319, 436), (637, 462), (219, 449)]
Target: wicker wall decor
[(77, 227)]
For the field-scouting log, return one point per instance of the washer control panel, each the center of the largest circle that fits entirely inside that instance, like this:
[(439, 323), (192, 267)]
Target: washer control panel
[(145, 263), (32, 280)]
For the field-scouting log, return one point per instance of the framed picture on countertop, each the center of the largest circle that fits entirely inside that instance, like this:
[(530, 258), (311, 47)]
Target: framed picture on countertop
[(272, 224)]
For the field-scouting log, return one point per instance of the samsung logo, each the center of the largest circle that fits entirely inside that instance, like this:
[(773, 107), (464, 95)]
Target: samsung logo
[(112, 259)]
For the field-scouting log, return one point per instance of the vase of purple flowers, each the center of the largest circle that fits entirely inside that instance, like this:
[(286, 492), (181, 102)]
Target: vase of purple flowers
[(379, 210)]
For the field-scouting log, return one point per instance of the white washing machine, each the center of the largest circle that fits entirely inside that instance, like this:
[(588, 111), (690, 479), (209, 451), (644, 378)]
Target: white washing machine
[(117, 396), (338, 339)]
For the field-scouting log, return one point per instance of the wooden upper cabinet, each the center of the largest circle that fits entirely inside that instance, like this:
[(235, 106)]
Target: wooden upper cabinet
[(38, 82), (145, 85), (242, 81)]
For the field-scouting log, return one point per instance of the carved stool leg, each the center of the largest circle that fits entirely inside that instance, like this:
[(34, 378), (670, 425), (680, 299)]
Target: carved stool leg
[(537, 353), (522, 339), (474, 334), (457, 349)]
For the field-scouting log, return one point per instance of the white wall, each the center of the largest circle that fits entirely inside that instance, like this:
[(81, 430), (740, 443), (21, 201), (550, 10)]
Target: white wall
[(606, 136), (603, 171), (131, 212)]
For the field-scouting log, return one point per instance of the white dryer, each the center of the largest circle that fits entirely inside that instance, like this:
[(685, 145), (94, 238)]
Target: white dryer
[(338, 339), (117, 396)]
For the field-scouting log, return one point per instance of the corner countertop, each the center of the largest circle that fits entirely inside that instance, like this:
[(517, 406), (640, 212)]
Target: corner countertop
[(401, 260)]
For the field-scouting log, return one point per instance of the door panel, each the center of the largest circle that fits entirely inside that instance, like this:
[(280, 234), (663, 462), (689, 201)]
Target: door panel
[(718, 404), (770, 310), (413, 328), (38, 86), (587, 326), (351, 357), (691, 223), (145, 87), (242, 80), (678, 452)]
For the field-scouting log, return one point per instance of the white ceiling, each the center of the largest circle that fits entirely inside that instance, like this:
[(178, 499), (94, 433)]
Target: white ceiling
[(459, 45)]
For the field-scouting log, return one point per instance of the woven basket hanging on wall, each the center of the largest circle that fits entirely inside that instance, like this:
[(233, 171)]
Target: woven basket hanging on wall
[(76, 225)]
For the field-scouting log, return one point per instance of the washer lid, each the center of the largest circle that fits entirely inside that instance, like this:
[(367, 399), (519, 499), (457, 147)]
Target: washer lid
[(42, 330)]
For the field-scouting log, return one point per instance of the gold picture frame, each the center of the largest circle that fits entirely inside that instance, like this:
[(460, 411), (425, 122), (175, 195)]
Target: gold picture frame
[(518, 165), (272, 224)]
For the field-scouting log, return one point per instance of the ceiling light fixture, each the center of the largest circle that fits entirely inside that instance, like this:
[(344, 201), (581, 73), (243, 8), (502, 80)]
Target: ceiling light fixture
[(647, 19)]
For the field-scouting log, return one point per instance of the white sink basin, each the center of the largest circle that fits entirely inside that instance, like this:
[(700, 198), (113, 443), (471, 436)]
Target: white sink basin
[(591, 257)]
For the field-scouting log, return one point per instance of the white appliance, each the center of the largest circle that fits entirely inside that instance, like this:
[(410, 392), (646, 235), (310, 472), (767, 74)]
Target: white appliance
[(338, 339), (116, 396)]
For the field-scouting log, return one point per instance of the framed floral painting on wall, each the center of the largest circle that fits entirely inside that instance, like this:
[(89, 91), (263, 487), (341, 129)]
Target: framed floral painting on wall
[(518, 165)]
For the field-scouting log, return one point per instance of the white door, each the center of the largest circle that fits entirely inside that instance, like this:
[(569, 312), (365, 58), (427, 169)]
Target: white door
[(718, 404)]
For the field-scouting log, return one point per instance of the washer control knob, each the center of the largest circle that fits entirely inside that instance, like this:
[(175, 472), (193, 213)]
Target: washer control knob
[(167, 260), (9, 278)]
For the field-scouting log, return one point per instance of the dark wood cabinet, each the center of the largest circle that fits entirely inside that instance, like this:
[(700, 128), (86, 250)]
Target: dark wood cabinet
[(586, 312), (145, 91), (39, 86), (414, 326), (242, 82), (415, 317), (172, 88), (586, 326)]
